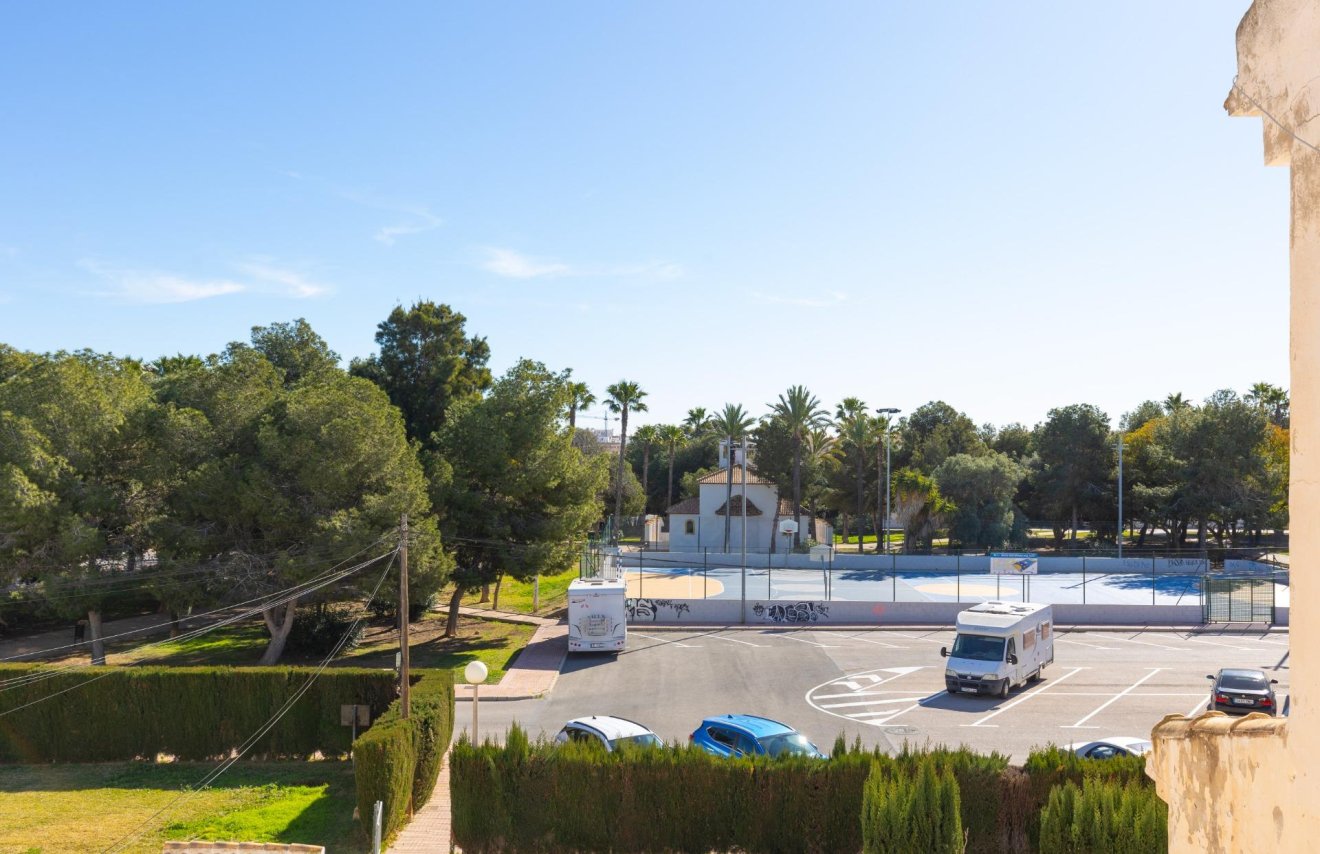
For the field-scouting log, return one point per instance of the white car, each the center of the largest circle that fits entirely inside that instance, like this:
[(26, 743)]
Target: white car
[(608, 731), (1108, 748)]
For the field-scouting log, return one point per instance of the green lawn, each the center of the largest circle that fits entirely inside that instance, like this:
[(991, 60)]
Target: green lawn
[(76, 808), (494, 642), (516, 596)]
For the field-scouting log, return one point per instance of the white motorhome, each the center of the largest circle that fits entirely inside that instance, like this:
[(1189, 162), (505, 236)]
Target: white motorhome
[(999, 646), (597, 615)]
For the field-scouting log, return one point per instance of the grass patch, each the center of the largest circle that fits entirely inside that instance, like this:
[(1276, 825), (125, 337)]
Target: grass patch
[(493, 642), (516, 596), (51, 808)]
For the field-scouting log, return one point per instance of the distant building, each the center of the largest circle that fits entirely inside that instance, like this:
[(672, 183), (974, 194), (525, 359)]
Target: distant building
[(698, 522)]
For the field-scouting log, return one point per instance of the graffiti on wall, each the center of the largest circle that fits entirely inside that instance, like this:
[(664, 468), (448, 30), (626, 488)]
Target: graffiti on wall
[(651, 609), (793, 612)]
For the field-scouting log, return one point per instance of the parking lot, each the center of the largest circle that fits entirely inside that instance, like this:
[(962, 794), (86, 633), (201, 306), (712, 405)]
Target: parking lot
[(888, 686)]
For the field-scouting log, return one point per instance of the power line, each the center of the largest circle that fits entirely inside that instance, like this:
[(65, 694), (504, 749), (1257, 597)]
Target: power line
[(251, 741), (1266, 113), (228, 607), (42, 675)]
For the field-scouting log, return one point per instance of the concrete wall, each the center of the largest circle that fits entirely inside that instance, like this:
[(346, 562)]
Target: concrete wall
[(967, 564), (808, 612)]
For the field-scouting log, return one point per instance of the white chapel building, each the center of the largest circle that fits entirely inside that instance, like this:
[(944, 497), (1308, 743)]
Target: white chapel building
[(698, 523)]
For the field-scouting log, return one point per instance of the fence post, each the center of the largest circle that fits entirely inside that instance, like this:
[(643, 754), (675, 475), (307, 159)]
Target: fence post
[(704, 594), (1152, 581), (1083, 579), (641, 573), (375, 826)]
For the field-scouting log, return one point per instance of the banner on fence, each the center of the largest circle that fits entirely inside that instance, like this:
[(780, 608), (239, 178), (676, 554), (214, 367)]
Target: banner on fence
[(1014, 563)]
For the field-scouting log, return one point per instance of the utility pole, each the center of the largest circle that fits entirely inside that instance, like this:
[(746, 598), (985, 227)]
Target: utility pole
[(887, 411), (405, 683), (1120, 493)]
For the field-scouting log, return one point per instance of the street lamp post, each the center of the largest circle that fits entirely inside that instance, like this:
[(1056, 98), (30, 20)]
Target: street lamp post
[(888, 478), (1119, 538)]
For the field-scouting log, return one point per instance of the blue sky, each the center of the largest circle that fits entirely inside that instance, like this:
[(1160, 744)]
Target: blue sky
[(1007, 206)]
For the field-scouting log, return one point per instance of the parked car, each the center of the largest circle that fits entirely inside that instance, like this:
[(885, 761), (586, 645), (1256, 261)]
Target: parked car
[(608, 731), (1238, 691), (1108, 748), (750, 735)]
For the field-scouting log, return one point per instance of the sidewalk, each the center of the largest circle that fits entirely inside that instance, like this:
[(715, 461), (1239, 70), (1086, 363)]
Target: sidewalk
[(534, 672), (29, 648), (430, 829)]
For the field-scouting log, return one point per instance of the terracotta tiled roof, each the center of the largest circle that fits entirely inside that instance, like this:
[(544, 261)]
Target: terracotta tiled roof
[(721, 476), (686, 507), (735, 504)]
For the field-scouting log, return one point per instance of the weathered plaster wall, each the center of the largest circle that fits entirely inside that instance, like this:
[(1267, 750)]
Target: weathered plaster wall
[(1252, 785)]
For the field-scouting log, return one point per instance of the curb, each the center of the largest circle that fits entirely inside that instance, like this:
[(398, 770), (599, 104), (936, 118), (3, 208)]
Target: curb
[(1196, 628)]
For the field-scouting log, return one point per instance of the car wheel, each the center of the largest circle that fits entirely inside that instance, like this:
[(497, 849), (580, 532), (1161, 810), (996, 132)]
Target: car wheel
[(1035, 677), (1003, 690)]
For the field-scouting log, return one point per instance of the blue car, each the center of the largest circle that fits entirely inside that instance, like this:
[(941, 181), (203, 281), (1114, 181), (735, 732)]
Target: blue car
[(750, 735)]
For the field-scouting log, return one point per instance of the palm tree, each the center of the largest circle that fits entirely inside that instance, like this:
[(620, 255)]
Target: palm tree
[(672, 437), (857, 430), (733, 422), (697, 422), (801, 413), (822, 448), (624, 396), (1272, 400), (1175, 402), (579, 398), (648, 435)]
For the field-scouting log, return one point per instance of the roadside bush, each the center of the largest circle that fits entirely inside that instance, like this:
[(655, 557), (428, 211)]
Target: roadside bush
[(990, 822), (1054, 766), (1104, 815), (317, 631), (397, 761), (904, 812), (114, 714)]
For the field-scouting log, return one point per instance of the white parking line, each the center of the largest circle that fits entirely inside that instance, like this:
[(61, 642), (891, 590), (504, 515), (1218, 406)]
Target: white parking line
[(1215, 643), (1083, 643), (1021, 700), (917, 637), (1148, 643), (788, 636), (666, 640), (735, 640), (876, 642), (1199, 707), (857, 694), (1113, 700), (868, 703)]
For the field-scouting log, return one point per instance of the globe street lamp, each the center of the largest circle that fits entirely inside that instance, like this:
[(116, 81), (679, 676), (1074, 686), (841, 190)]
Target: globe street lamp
[(888, 478)]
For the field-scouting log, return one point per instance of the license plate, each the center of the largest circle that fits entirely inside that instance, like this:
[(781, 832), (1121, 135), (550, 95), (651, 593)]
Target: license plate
[(1243, 701), (969, 690)]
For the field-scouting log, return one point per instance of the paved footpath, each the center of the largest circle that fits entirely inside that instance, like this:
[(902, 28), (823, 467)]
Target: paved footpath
[(533, 675)]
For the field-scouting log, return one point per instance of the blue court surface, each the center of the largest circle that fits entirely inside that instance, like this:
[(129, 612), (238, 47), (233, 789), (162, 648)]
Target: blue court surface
[(1055, 588)]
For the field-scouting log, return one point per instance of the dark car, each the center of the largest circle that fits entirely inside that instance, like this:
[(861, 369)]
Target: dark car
[(1239, 691)]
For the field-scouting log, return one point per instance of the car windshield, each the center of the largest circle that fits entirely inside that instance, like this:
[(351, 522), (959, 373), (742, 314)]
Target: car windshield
[(1242, 682), (649, 739), (978, 648), (788, 744)]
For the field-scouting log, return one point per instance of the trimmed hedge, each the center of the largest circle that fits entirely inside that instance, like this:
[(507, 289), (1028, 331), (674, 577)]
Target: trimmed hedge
[(516, 797), (112, 714), (1104, 815), (397, 761), (993, 817)]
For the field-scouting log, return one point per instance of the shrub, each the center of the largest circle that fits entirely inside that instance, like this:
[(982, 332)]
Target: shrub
[(112, 714), (318, 630), (1104, 815), (1053, 766), (397, 761), (987, 818), (904, 812), (516, 797)]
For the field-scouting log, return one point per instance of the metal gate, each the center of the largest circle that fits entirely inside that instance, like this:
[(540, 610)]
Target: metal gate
[(1239, 599)]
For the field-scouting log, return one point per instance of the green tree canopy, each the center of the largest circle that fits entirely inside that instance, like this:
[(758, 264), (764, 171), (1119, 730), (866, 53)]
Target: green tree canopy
[(934, 432), (426, 363), (981, 489)]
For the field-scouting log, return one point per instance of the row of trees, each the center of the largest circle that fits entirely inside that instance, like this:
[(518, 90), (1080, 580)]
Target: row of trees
[(1218, 469), (237, 475)]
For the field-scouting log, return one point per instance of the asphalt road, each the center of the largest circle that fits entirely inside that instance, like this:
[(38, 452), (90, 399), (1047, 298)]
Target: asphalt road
[(888, 686)]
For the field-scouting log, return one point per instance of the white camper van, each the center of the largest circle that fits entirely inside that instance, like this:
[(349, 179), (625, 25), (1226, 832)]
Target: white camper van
[(999, 646), (597, 615)]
